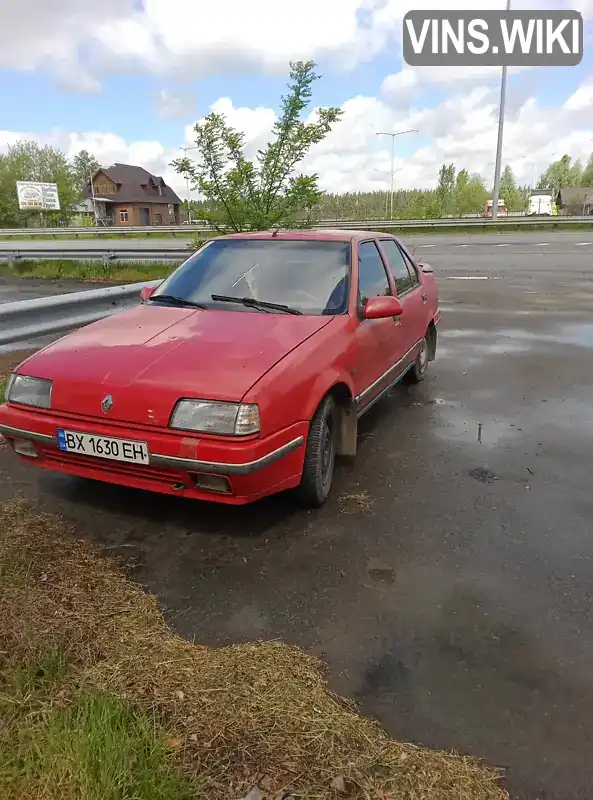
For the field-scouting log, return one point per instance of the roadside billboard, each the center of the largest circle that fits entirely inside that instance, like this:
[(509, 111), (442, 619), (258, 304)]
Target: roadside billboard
[(35, 196)]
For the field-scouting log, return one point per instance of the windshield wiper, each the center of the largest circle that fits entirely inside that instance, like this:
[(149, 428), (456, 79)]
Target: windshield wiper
[(180, 301), (251, 302)]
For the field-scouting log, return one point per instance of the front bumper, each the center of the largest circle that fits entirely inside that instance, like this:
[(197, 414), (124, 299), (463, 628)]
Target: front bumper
[(253, 468)]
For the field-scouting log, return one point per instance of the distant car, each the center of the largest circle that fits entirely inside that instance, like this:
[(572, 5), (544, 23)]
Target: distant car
[(243, 374), (502, 209), (541, 204)]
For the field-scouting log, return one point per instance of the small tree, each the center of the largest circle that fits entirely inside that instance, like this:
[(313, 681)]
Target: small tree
[(559, 175), (246, 195), (470, 194), (509, 192), (84, 164), (446, 188), (587, 176), (29, 161)]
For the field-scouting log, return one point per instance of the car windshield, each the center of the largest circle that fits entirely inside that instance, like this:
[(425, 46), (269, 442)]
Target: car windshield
[(311, 277)]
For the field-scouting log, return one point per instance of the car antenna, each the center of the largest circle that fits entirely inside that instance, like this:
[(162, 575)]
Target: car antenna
[(275, 231)]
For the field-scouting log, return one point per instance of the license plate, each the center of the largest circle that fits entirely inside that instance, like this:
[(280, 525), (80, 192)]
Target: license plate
[(88, 444)]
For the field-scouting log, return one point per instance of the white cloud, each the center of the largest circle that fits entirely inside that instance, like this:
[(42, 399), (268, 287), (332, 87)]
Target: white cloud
[(255, 123), (47, 36), (402, 88), (179, 38), (582, 99), (80, 42), (461, 129), (171, 104)]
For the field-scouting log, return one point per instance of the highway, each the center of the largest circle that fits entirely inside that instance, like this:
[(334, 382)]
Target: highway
[(447, 582), (541, 242)]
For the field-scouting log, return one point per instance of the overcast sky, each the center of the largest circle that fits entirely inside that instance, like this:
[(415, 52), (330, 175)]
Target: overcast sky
[(127, 79)]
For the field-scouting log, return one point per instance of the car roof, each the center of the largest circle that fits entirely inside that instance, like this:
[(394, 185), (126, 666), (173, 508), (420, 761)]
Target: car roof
[(312, 235)]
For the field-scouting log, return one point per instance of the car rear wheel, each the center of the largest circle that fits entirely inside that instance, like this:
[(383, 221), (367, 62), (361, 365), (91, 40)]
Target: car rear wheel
[(320, 455), (418, 371)]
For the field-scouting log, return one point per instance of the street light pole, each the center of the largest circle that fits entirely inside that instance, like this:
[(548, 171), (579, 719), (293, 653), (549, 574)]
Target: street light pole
[(503, 95), (393, 135), (382, 172), (392, 177)]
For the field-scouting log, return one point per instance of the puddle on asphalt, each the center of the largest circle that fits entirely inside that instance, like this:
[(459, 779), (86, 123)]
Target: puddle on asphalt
[(461, 423), (476, 345), (581, 334), (462, 333)]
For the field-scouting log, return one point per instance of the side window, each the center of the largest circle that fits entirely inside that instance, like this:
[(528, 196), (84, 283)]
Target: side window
[(403, 273), (372, 278), (412, 270)]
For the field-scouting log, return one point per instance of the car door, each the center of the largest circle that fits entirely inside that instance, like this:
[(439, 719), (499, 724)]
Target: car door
[(378, 341), (408, 286)]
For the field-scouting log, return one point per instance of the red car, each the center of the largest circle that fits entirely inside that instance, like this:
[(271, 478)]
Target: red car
[(243, 374)]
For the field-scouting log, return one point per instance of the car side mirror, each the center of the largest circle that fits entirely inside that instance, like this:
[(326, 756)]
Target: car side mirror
[(425, 267), (382, 307), (146, 292)]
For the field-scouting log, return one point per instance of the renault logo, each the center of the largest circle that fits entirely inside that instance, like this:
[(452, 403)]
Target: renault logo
[(107, 404)]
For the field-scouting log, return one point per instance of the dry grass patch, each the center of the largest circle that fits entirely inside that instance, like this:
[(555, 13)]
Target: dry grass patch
[(357, 501), (236, 717)]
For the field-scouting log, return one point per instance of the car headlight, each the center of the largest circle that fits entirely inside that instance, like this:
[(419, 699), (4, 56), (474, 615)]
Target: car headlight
[(29, 391), (207, 416)]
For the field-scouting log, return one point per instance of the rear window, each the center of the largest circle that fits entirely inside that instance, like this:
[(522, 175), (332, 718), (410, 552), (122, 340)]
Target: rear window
[(311, 276)]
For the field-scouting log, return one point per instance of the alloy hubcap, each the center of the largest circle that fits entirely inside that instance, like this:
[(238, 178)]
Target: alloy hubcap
[(326, 452)]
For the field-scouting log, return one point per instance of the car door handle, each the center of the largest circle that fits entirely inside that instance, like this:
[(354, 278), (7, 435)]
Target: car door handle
[(425, 298)]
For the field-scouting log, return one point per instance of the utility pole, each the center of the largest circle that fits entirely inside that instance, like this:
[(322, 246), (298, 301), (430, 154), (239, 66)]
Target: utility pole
[(497, 167), (393, 135), (93, 196)]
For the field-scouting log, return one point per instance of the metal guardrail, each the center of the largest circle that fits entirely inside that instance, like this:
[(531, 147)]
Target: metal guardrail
[(177, 252), (28, 319), (345, 223)]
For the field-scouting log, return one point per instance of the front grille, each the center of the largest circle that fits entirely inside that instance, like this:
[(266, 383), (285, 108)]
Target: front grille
[(140, 471)]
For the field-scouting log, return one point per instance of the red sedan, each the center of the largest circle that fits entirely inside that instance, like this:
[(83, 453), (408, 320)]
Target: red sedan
[(243, 374)]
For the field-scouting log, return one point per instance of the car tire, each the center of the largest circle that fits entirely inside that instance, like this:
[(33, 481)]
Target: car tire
[(320, 455), (417, 372)]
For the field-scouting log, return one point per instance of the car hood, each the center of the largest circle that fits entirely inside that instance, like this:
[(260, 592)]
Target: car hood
[(150, 356)]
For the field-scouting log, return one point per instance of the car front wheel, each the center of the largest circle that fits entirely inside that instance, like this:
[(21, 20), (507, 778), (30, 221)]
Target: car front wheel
[(320, 455)]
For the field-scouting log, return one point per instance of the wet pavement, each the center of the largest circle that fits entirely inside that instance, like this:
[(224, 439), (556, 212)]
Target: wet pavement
[(448, 581), (12, 289)]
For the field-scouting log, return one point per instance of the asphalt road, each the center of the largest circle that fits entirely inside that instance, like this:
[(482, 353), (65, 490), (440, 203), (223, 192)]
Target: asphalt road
[(447, 582), (556, 241)]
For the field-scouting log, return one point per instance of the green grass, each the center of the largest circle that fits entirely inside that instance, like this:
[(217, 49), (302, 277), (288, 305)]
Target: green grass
[(63, 735), (57, 741), (91, 271), (3, 382), (99, 700)]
